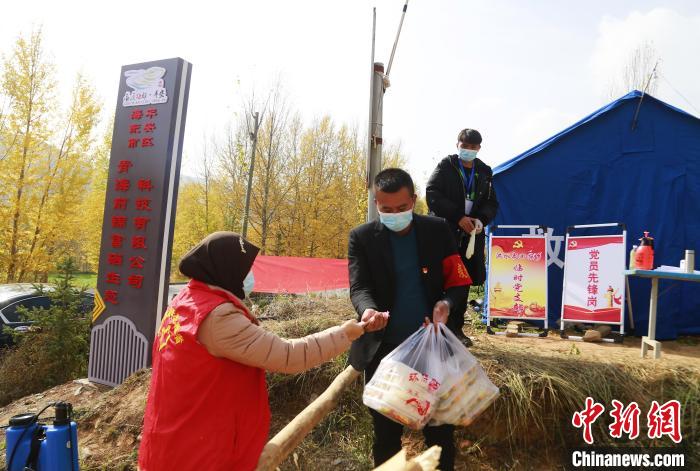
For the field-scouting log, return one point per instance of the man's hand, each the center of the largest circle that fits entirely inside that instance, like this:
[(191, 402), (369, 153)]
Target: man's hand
[(466, 224), (374, 320), (441, 312)]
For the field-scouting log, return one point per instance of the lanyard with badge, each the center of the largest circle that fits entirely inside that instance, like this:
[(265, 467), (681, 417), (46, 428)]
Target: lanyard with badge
[(468, 202)]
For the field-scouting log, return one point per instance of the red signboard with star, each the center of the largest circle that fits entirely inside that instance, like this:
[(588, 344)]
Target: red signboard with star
[(518, 277)]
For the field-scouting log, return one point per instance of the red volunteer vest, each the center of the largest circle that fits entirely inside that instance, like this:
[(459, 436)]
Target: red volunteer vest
[(202, 412)]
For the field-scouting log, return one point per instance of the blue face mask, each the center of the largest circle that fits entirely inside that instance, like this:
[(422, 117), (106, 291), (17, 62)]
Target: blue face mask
[(396, 222), (248, 283), (467, 155)]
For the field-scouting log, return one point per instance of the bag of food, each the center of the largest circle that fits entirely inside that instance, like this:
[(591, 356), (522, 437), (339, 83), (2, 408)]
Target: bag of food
[(464, 396), (431, 378), (407, 382)]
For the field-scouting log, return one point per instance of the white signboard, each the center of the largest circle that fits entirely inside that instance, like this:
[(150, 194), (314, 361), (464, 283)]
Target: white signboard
[(594, 283)]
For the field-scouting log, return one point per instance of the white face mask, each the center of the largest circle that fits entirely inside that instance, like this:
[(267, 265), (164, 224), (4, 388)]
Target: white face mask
[(248, 283), (467, 155), (396, 222)]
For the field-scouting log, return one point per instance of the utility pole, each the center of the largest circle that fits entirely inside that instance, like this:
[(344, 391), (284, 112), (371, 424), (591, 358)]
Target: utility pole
[(374, 149), (254, 138), (379, 82)]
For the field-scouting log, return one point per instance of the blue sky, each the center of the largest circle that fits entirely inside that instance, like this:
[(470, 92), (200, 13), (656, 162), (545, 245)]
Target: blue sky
[(517, 71)]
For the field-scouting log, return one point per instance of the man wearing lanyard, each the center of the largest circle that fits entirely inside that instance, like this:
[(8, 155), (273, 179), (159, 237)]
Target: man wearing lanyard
[(461, 191)]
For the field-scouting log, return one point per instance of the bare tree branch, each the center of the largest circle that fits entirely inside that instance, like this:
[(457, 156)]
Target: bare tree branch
[(636, 71)]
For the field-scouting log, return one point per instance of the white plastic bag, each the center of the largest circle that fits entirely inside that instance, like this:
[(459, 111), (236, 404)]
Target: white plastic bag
[(407, 382), (464, 396), (430, 378)]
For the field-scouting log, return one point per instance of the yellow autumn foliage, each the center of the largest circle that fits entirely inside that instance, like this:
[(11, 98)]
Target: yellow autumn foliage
[(309, 184), (46, 155)]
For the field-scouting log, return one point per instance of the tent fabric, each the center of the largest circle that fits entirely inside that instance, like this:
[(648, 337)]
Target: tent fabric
[(630, 96), (299, 275), (600, 170)]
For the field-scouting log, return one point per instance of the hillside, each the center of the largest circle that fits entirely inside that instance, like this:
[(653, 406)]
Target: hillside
[(542, 381)]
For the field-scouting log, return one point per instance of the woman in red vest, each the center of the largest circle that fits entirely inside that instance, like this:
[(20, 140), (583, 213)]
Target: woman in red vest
[(207, 407)]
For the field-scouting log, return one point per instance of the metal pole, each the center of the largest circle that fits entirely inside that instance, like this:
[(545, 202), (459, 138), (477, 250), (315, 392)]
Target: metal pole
[(639, 105), (246, 212), (653, 303), (396, 41), (374, 149)]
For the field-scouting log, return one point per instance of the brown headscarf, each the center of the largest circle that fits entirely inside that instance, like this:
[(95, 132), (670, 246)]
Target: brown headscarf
[(222, 259)]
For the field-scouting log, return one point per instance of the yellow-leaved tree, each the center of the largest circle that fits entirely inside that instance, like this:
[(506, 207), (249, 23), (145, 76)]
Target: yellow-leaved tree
[(309, 186), (28, 83), (93, 204), (45, 170)]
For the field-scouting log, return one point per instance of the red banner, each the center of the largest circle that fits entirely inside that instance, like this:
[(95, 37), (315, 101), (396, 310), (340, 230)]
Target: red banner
[(299, 275)]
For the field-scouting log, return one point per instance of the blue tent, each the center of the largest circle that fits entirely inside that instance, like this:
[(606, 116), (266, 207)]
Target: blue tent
[(601, 170)]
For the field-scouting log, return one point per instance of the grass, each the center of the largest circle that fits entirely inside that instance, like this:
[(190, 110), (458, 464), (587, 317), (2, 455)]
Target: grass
[(528, 425), (343, 438), (692, 341), (87, 280)]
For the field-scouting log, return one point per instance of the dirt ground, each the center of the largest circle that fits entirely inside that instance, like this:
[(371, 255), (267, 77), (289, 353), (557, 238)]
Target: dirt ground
[(684, 351), (109, 420)]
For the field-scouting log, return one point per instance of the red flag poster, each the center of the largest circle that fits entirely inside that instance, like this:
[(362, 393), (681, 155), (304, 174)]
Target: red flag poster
[(518, 277)]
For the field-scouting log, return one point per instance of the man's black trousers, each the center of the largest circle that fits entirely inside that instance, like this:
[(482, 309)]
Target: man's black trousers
[(456, 321)]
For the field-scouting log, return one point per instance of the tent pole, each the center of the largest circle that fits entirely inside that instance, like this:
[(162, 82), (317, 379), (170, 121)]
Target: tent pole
[(646, 87)]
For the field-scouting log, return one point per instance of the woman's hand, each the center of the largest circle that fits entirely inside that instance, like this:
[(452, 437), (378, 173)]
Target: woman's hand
[(353, 329)]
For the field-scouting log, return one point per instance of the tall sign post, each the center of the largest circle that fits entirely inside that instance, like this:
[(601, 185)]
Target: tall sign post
[(139, 217)]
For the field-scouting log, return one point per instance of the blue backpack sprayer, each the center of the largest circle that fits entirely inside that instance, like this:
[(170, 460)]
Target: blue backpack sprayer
[(34, 446)]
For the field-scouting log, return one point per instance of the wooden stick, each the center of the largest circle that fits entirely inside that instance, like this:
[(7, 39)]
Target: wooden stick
[(429, 458), (290, 436), (395, 463)]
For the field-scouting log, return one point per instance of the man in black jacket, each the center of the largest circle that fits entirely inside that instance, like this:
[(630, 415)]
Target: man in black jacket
[(407, 265), (461, 191)]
